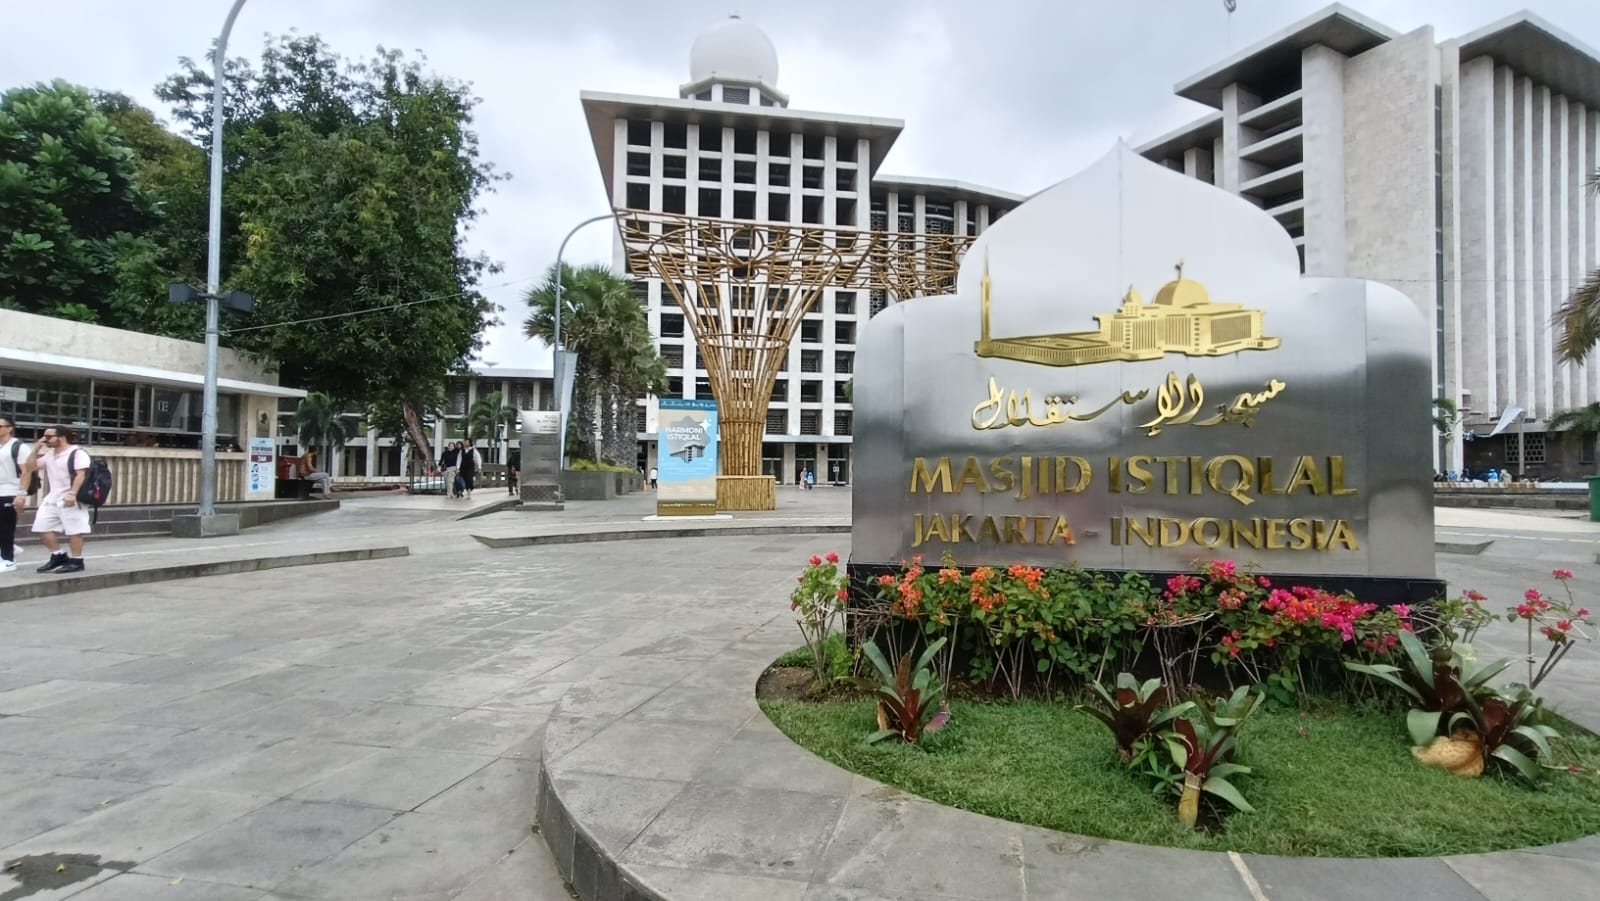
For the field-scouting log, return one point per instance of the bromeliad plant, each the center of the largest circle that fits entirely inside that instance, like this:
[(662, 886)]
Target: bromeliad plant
[(1133, 711), (1507, 731), (910, 702), (1203, 746), (1440, 681)]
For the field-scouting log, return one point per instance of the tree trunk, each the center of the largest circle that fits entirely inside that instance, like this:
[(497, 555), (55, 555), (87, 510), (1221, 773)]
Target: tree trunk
[(581, 435), (608, 424), (419, 437)]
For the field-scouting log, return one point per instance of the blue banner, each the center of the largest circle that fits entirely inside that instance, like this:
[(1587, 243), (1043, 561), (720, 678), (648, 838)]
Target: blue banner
[(686, 457)]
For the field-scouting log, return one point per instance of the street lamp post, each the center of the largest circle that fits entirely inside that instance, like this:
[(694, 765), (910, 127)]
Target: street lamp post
[(561, 438), (208, 408)]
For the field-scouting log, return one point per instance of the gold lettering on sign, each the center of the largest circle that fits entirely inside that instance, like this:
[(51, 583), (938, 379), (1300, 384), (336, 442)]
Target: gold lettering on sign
[(1299, 534), (955, 528), (1178, 402), (1002, 408)]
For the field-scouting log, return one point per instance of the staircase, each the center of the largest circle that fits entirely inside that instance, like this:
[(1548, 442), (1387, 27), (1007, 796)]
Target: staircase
[(155, 520)]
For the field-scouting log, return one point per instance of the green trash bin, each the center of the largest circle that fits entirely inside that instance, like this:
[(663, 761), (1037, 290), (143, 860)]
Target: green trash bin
[(1594, 498)]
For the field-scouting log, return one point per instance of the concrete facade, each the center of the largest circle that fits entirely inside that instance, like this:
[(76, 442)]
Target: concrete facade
[(1452, 170), (729, 147)]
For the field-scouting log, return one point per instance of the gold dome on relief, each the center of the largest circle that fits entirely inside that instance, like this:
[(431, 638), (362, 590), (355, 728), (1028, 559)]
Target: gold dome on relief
[(1182, 292)]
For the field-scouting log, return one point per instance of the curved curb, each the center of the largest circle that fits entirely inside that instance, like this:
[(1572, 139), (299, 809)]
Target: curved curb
[(94, 581), (667, 787), (638, 534)]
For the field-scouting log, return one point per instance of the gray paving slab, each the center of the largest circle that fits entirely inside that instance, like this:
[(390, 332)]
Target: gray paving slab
[(270, 844)]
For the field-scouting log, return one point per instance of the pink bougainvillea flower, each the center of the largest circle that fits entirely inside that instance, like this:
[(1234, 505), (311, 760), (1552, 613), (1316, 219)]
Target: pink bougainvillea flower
[(1473, 594), (1562, 574), (1531, 594), (1401, 610), (815, 560), (844, 594), (1583, 612), (831, 557)]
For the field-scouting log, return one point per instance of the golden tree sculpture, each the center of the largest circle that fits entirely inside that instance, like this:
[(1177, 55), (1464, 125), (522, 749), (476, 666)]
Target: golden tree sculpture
[(744, 287)]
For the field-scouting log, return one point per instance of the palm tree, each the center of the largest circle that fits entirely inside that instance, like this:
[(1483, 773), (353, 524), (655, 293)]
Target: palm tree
[(1579, 317), (319, 424), (1583, 422), (486, 416), (605, 325)]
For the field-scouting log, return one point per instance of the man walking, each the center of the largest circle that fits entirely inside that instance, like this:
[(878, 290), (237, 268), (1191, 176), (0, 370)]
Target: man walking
[(13, 493), (64, 466)]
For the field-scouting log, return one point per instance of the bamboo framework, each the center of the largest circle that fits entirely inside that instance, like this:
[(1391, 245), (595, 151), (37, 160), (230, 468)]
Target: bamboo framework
[(744, 288)]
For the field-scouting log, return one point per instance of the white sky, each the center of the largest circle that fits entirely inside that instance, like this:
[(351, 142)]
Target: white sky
[(1014, 94)]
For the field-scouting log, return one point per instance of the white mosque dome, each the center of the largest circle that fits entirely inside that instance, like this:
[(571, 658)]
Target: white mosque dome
[(733, 50)]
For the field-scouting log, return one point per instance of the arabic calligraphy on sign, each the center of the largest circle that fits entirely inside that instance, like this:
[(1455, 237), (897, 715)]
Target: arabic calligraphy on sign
[(1178, 402)]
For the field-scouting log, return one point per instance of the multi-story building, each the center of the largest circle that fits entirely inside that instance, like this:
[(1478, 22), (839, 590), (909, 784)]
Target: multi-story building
[(728, 146), (1453, 170)]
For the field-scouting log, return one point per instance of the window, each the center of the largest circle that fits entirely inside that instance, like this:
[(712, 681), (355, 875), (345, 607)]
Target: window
[(876, 301), (674, 198), (674, 165), (744, 140), (710, 135), (702, 387), (640, 289), (744, 205), (638, 165), (841, 394), (1586, 449), (703, 95), (844, 179), (638, 196), (846, 149), (778, 207), (844, 303), (810, 333), (780, 144), (710, 202), (777, 422), (641, 422), (841, 422), (780, 390), (811, 177), (811, 391), (672, 325), (731, 94), (672, 356), (674, 386), (675, 135), (810, 422), (744, 172), (811, 210), (844, 362), (710, 169), (639, 132), (811, 147), (1534, 441), (844, 211), (778, 175), (844, 332)]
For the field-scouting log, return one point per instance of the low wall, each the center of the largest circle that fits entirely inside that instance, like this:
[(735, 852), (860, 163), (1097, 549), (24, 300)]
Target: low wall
[(153, 475)]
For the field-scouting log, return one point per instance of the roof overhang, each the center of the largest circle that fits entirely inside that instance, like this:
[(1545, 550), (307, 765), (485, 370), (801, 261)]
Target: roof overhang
[(960, 189), (1199, 133), (62, 364), (1535, 48), (602, 110), (1337, 27)]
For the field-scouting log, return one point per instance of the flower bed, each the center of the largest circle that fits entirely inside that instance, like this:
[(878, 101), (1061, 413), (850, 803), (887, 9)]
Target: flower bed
[(1228, 662)]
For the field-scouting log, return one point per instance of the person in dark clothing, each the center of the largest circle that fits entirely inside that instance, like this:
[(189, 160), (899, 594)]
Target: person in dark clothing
[(469, 467), (449, 464), (513, 471)]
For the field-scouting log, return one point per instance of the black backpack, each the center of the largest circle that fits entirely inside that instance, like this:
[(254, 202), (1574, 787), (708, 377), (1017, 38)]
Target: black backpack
[(96, 485), (32, 487)]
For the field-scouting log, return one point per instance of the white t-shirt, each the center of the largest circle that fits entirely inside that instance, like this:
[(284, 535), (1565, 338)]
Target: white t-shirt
[(58, 481), (11, 471)]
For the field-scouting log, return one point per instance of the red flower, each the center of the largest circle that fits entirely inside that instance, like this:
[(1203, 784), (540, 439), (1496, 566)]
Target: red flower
[(1564, 625), (1263, 581), (1474, 595), (815, 560), (831, 557), (1531, 594), (1562, 574), (844, 594), (1583, 612)]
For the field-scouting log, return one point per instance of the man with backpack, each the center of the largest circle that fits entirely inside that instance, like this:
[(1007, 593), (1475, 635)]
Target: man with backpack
[(13, 493), (62, 510)]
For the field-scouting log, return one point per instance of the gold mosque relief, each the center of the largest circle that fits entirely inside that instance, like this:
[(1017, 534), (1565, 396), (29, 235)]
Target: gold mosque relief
[(1182, 319)]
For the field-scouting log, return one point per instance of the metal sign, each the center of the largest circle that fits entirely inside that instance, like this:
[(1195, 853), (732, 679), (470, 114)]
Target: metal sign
[(1132, 375)]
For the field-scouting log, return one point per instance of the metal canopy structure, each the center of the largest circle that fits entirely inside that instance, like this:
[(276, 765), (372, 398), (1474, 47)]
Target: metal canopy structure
[(744, 287)]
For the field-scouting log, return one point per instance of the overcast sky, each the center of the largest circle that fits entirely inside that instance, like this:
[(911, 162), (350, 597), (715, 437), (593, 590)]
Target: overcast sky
[(1014, 94)]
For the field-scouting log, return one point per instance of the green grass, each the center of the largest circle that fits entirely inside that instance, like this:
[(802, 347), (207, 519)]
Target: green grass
[(1348, 788), (838, 655)]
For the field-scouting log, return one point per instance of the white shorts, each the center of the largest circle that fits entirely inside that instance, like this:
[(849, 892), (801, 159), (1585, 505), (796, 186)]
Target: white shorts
[(53, 516)]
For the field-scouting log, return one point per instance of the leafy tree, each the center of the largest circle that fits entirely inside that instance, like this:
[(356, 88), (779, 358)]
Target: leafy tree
[(1580, 422), (606, 326), (319, 423), (486, 415), (352, 187), (72, 213), (1579, 317)]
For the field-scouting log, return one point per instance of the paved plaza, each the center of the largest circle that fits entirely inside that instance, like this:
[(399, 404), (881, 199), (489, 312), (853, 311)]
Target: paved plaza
[(377, 729)]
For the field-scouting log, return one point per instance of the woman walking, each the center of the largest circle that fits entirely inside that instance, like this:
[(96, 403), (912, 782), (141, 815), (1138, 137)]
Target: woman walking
[(469, 467)]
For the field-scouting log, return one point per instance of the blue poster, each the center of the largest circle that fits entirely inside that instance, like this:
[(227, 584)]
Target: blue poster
[(686, 457)]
